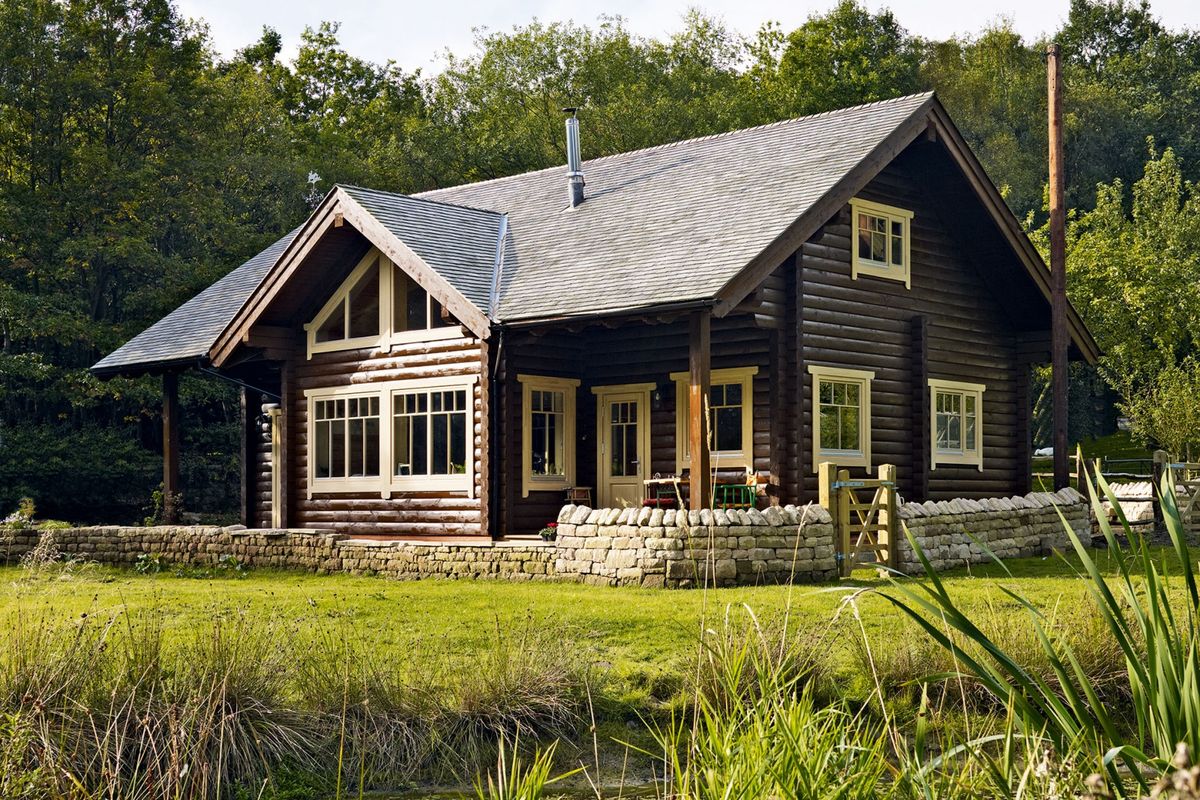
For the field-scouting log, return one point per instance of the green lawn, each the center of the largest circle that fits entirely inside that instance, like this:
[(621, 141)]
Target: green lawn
[(638, 632)]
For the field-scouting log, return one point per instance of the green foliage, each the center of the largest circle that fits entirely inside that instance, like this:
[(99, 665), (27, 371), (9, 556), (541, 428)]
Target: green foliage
[(136, 168), (1167, 411)]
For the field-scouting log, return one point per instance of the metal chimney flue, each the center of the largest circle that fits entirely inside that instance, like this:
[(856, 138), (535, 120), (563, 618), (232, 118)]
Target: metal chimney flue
[(574, 160)]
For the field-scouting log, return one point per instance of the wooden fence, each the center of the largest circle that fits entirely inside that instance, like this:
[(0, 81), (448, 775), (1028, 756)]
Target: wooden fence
[(864, 530)]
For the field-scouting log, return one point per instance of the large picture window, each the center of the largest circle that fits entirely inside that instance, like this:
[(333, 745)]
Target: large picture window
[(412, 307), (548, 432), (430, 432), (841, 416), (392, 436), (730, 414), (346, 438), (880, 241), (956, 417)]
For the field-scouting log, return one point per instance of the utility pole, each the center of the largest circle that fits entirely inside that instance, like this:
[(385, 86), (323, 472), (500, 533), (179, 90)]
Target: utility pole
[(1058, 269)]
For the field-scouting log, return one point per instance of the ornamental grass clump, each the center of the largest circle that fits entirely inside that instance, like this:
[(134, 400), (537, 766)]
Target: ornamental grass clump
[(1150, 612)]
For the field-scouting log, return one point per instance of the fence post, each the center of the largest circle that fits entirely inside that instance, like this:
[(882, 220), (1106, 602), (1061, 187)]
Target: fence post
[(845, 564), (889, 512), (1162, 462)]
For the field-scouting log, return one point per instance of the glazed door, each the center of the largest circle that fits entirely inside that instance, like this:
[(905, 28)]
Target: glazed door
[(623, 445)]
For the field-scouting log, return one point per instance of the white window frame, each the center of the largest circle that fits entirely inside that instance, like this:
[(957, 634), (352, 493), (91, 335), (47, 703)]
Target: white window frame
[(862, 266), (843, 458), (717, 377), (387, 335), (544, 383), (972, 457), (387, 483)]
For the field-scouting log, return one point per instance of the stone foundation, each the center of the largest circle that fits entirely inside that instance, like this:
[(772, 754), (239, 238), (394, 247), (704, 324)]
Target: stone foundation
[(653, 548)]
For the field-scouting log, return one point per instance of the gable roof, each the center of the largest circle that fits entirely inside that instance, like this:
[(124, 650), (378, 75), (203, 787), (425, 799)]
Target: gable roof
[(457, 241), (187, 333), (676, 222), (696, 221)]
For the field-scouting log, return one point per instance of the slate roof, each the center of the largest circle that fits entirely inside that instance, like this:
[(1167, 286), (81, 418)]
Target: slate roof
[(188, 332), (457, 241), (666, 224), (670, 223)]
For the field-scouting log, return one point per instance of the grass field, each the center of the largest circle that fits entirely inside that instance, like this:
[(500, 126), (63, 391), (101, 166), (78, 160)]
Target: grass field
[(638, 632)]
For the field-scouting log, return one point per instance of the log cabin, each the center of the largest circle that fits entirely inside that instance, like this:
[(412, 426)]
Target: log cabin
[(846, 287)]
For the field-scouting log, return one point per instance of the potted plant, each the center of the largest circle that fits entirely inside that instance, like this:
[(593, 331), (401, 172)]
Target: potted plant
[(550, 532)]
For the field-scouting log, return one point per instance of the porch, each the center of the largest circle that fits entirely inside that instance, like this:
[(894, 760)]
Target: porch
[(610, 412)]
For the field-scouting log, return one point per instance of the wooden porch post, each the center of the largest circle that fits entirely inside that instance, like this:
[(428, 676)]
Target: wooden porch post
[(699, 376), (170, 416)]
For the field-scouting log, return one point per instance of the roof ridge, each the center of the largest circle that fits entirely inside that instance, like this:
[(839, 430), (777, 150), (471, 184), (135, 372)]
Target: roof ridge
[(419, 198), (678, 142)]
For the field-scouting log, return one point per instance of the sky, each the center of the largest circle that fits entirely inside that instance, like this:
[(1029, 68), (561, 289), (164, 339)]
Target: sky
[(415, 34)]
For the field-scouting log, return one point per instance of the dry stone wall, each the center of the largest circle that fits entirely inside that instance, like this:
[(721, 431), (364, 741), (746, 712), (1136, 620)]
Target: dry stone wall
[(659, 548), (307, 550), (955, 533), (652, 548)]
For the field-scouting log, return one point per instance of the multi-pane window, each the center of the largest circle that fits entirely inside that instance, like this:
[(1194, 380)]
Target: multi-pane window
[(356, 315), (841, 415), (429, 432), (547, 433), (346, 437), (879, 239), (412, 307), (547, 411), (725, 408), (623, 438), (729, 412), (956, 411)]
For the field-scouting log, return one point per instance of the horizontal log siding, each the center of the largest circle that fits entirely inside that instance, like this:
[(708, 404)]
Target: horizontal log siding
[(866, 324), (405, 514), (261, 465)]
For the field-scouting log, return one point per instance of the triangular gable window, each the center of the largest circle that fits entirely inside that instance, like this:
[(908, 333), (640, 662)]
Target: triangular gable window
[(379, 304)]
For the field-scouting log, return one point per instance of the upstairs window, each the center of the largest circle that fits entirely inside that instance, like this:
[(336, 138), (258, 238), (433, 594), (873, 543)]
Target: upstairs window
[(956, 412), (412, 307), (880, 241), (841, 416), (353, 314)]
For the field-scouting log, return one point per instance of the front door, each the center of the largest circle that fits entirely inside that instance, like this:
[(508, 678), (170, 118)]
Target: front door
[(623, 444)]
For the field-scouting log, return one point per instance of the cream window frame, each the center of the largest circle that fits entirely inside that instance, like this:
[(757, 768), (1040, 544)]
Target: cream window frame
[(544, 383), (972, 457), (861, 266), (843, 458), (386, 483), (717, 377), (388, 338)]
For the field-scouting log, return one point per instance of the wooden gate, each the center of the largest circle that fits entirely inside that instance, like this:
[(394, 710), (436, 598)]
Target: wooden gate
[(1187, 487), (865, 521)]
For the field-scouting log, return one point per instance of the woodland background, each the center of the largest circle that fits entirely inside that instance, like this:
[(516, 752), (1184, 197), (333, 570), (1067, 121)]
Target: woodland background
[(137, 167)]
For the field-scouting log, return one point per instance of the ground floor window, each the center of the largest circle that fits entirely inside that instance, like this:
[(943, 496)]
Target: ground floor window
[(956, 415), (841, 413), (422, 430), (547, 433), (730, 413)]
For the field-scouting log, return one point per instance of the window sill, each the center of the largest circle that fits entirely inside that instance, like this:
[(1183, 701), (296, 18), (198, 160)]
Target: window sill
[(427, 335), (843, 458), (876, 270), (360, 343), (956, 460)]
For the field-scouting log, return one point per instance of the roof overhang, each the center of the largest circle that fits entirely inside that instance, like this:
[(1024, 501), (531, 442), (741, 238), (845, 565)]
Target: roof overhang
[(928, 119), (336, 209)]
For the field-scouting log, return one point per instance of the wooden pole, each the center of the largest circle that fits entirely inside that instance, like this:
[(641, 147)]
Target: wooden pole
[(699, 378), (842, 526), (1058, 269), (170, 417)]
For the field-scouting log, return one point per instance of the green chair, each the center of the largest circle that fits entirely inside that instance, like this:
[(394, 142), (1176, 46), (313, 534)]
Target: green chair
[(733, 495)]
